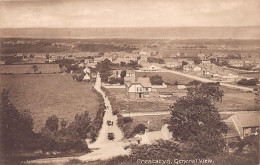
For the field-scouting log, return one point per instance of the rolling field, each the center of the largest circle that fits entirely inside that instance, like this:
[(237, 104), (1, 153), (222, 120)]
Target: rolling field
[(48, 94)]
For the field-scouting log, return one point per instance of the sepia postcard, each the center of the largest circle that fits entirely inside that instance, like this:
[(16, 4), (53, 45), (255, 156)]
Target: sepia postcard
[(129, 82)]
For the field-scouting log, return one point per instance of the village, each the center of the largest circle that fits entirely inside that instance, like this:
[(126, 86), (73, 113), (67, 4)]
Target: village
[(139, 87)]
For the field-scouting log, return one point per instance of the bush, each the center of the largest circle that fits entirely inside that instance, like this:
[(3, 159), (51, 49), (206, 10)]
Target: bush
[(155, 60), (250, 82), (163, 150), (52, 123), (15, 127), (156, 80), (127, 119), (140, 128), (115, 112)]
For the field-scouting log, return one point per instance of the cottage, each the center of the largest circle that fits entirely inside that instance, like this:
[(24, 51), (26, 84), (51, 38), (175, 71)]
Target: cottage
[(130, 73), (86, 77), (152, 137), (197, 69), (86, 70), (236, 63), (151, 68), (139, 87), (246, 124)]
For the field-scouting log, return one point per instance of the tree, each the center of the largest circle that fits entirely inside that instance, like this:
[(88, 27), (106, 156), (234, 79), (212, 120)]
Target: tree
[(81, 125), (140, 128), (250, 82), (197, 60), (213, 60), (52, 123), (35, 68), (123, 73), (15, 127), (194, 82), (196, 123), (156, 80), (122, 63), (184, 63)]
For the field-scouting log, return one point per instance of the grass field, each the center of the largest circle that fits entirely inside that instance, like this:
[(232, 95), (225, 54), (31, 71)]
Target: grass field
[(168, 78), (235, 100), (48, 94), (120, 101)]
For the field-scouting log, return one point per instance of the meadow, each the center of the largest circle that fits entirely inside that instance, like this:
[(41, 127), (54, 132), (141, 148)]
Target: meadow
[(49, 94), (168, 78)]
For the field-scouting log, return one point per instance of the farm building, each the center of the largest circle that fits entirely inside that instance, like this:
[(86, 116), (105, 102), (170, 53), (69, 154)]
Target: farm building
[(29, 68), (245, 124)]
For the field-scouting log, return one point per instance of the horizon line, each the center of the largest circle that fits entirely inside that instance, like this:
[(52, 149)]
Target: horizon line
[(126, 27)]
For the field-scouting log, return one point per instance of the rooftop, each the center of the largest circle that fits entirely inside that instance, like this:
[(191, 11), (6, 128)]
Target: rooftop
[(248, 119)]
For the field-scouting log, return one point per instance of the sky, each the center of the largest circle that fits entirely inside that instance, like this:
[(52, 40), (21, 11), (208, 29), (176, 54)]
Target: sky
[(128, 13)]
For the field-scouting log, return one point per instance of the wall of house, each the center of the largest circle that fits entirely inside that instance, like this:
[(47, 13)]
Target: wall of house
[(134, 87)]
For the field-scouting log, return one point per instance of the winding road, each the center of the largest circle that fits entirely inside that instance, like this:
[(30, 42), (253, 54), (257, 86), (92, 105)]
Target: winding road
[(102, 148)]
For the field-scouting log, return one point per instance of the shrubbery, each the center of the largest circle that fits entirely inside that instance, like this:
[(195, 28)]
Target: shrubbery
[(250, 82), (15, 127), (116, 80), (156, 80), (155, 60), (98, 121)]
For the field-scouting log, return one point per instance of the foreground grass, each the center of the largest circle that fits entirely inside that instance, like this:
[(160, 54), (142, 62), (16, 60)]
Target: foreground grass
[(49, 94)]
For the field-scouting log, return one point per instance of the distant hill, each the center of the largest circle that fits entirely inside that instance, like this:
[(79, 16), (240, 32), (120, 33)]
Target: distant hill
[(144, 33)]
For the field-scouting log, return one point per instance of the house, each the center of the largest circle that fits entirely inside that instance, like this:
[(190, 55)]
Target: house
[(181, 86), (189, 67), (197, 69), (151, 68), (202, 56), (205, 62), (246, 124), (130, 73), (138, 87), (86, 70), (98, 59), (152, 137), (173, 64), (89, 60), (86, 77), (236, 63)]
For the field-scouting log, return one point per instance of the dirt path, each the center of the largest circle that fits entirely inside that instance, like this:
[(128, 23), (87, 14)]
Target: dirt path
[(105, 148)]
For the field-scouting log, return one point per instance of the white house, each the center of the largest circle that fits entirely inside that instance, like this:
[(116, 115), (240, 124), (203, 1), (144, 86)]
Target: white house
[(86, 70), (139, 87), (152, 137), (86, 77), (130, 73), (197, 69), (151, 68)]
